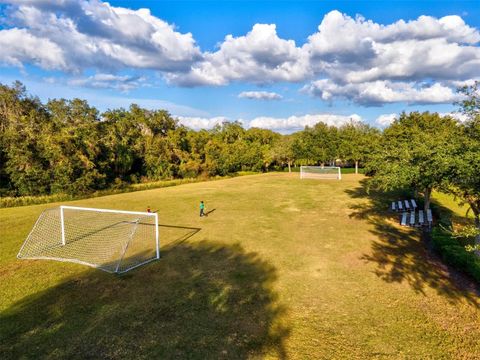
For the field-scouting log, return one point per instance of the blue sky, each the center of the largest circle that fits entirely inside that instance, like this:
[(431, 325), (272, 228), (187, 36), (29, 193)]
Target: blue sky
[(273, 64)]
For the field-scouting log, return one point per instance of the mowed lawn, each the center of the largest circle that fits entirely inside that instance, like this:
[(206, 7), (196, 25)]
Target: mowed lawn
[(282, 268)]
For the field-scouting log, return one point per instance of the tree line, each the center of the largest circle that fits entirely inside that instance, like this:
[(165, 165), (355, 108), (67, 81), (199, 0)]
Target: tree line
[(68, 146)]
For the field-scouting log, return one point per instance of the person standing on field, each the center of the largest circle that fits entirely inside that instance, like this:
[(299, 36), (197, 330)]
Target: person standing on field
[(202, 209)]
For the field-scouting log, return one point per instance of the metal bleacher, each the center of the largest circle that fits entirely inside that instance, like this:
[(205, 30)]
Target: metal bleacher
[(409, 217)]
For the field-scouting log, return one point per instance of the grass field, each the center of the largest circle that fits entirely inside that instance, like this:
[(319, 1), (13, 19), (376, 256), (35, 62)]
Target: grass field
[(283, 268)]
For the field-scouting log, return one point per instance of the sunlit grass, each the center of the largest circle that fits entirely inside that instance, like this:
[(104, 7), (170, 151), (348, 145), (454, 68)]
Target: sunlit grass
[(283, 268), (459, 211)]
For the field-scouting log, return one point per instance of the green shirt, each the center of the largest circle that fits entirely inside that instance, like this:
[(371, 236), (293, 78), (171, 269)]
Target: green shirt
[(202, 206)]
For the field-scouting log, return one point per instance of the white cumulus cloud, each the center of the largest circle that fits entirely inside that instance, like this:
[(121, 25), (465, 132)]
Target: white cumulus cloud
[(380, 92), (456, 115), (373, 64), (385, 120), (360, 50), (280, 124), (260, 95), (293, 123), (258, 57), (198, 123), (83, 34), (109, 81), (19, 46), (353, 58)]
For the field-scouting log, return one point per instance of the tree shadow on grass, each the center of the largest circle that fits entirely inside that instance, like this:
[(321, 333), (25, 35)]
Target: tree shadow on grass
[(403, 254), (200, 301)]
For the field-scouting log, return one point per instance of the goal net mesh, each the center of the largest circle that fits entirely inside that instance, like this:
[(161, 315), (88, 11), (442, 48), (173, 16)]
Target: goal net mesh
[(319, 172), (110, 241)]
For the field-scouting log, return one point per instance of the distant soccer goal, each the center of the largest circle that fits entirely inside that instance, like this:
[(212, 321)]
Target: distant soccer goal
[(111, 240), (320, 172)]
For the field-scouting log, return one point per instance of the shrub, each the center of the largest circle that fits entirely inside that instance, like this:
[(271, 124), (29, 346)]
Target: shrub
[(454, 254)]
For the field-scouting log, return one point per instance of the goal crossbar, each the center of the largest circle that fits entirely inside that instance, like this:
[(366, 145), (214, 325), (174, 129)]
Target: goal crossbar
[(109, 210)]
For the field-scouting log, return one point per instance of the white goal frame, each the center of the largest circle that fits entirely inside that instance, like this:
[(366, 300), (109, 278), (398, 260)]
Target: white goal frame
[(63, 240), (155, 215), (336, 173)]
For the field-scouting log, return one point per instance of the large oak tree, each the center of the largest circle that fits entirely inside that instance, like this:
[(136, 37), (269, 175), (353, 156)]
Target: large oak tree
[(417, 151), (466, 183)]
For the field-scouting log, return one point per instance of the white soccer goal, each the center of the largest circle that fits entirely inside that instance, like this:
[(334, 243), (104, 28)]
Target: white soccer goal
[(320, 172), (115, 241)]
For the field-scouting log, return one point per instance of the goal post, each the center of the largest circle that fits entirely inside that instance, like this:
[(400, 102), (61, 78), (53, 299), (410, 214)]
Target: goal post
[(112, 240), (320, 172)]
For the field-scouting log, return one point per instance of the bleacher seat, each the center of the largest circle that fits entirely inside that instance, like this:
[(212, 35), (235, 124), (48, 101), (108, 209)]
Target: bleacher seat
[(421, 220)]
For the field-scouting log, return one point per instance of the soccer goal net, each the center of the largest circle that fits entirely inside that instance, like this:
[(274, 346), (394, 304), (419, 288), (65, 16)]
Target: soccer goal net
[(111, 240), (320, 172)]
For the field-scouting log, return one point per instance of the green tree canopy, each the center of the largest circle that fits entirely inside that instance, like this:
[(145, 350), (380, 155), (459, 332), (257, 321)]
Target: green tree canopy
[(419, 151), (466, 183), (357, 141)]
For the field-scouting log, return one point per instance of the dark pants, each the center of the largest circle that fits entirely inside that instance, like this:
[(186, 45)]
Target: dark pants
[(202, 213)]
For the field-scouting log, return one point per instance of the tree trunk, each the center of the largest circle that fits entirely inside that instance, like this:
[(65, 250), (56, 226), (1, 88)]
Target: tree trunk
[(426, 194), (474, 206), (356, 166), (289, 168), (477, 239)]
